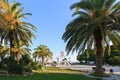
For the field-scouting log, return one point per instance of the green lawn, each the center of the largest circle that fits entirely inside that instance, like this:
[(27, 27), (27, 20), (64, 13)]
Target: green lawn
[(49, 76)]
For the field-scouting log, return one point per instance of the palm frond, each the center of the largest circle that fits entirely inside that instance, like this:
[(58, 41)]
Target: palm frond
[(15, 6), (109, 3)]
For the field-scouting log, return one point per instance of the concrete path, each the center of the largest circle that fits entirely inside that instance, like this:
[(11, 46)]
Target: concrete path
[(88, 68), (112, 77)]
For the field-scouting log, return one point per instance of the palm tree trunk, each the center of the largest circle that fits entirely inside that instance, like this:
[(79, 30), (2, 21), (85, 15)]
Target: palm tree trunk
[(99, 69), (42, 61), (99, 52), (17, 57), (12, 42)]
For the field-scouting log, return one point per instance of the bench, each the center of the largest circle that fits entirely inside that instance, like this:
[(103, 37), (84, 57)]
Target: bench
[(4, 73)]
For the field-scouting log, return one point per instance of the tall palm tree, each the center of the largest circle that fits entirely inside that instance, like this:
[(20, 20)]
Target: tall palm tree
[(16, 28), (43, 51), (97, 24)]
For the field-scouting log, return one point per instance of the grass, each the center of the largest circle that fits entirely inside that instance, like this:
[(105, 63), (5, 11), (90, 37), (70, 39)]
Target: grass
[(57, 69), (49, 76), (52, 73)]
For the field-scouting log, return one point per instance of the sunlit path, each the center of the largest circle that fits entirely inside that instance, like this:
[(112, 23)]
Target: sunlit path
[(88, 68)]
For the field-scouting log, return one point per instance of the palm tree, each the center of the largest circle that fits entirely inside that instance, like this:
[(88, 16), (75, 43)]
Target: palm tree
[(16, 29), (97, 24), (43, 51), (21, 50)]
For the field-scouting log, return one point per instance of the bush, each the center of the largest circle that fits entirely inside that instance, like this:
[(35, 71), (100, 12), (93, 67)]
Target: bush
[(29, 69), (16, 68), (25, 60), (114, 61), (3, 66), (7, 61), (39, 66), (36, 66)]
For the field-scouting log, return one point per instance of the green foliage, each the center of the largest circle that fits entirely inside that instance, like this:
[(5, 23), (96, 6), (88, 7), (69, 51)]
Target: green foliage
[(28, 69), (3, 66), (9, 60), (42, 51), (6, 62), (3, 51), (16, 68), (109, 59), (36, 66), (25, 60), (114, 60), (83, 57), (12, 66)]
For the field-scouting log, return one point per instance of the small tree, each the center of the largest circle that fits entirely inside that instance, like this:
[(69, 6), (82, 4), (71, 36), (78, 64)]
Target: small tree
[(42, 51)]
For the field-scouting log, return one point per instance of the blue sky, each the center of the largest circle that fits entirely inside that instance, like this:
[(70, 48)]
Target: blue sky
[(50, 17)]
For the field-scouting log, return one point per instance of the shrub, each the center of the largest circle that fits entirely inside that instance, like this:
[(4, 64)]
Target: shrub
[(37, 67), (29, 69), (7, 61), (2, 66), (40, 66), (114, 61), (25, 60), (15, 68)]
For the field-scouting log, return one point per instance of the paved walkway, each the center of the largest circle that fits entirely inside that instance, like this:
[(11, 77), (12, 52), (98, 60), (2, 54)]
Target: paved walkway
[(114, 76)]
